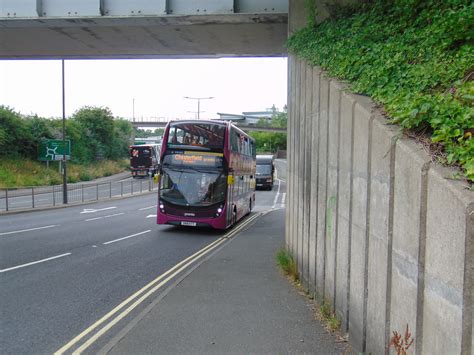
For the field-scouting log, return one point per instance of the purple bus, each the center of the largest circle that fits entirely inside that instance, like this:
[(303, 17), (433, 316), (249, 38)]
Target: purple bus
[(207, 174)]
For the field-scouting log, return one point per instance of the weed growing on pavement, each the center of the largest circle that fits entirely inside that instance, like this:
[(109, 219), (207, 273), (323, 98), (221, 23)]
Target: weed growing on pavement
[(287, 264), (326, 315)]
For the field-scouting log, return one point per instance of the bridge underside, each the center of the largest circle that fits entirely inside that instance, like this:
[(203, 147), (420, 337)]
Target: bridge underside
[(189, 36)]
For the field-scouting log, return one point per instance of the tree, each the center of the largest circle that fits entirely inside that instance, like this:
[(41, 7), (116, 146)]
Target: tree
[(270, 142), (97, 125)]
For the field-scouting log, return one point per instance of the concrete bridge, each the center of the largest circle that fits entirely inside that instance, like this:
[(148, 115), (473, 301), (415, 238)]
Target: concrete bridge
[(142, 28)]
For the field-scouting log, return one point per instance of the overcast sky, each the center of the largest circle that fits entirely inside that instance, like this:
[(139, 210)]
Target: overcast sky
[(156, 87)]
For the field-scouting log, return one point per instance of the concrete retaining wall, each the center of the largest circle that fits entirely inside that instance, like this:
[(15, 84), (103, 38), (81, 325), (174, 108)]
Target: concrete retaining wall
[(378, 230)]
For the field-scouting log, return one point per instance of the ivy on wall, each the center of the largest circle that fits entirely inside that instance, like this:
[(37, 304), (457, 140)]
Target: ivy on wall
[(415, 57)]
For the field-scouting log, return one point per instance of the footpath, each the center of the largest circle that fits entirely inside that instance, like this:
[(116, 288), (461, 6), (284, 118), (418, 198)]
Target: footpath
[(236, 302)]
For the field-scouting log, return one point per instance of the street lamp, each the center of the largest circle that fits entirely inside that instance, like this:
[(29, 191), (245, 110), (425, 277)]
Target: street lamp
[(199, 102)]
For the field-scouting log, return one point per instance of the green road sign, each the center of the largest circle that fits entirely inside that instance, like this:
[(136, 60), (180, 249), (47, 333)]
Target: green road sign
[(53, 149)]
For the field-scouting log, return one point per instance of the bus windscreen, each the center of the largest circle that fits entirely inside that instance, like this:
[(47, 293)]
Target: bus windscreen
[(205, 136)]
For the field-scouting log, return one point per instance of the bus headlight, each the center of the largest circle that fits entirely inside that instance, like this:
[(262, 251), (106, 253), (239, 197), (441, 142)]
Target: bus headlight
[(219, 211), (162, 208)]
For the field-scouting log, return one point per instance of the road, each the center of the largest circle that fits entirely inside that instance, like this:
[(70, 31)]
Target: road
[(62, 270)]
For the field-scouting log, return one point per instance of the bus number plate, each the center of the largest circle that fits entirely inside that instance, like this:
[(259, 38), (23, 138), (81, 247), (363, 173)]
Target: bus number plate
[(185, 223)]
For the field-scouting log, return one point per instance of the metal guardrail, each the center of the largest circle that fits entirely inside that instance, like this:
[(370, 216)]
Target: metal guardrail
[(15, 199)]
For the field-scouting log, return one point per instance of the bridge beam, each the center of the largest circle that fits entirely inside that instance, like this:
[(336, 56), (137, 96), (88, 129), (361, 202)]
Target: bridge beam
[(242, 127)]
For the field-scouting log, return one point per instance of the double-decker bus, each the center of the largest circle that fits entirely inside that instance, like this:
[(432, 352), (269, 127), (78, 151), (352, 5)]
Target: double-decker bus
[(207, 174)]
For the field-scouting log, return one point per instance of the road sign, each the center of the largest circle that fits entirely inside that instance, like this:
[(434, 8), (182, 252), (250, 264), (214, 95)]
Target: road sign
[(53, 149)]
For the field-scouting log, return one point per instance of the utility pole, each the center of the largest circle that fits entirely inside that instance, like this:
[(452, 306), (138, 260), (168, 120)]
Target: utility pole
[(199, 103)]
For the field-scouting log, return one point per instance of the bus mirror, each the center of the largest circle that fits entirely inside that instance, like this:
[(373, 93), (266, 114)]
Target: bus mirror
[(156, 178), (230, 180)]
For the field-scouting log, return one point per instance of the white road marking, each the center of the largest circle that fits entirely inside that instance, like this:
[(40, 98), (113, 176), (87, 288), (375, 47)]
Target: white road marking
[(108, 216), (93, 219), (29, 230), (35, 262), (146, 208), (113, 215), (129, 236), (277, 195), (283, 198), (92, 210), (151, 216)]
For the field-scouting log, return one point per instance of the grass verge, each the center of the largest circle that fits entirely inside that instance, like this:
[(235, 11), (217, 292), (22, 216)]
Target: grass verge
[(24, 172)]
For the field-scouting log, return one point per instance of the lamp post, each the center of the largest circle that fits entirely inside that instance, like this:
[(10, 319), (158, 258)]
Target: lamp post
[(199, 102), (64, 138)]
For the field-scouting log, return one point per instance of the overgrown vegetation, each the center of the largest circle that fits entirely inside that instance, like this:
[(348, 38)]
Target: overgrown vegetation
[(99, 143), (415, 57)]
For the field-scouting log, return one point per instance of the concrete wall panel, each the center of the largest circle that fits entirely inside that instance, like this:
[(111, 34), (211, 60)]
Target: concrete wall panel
[(322, 183), (379, 249), (332, 190), (344, 209), (289, 145), (447, 327), (308, 143), (359, 239), (300, 164), (409, 234), (314, 181)]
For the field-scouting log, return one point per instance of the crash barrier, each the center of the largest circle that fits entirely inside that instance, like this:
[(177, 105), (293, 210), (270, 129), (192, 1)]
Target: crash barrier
[(24, 198)]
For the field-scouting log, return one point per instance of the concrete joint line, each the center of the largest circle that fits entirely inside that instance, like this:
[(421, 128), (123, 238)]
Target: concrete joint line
[(351, 195), (420, 303), (336, 213), (367, 234), (468, 284), (391, 208)]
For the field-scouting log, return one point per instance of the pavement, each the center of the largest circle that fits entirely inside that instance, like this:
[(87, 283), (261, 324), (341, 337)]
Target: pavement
[(235, 302)]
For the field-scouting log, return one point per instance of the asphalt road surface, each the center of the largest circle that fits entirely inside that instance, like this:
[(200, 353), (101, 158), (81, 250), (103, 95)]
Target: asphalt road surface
[(62, 270)]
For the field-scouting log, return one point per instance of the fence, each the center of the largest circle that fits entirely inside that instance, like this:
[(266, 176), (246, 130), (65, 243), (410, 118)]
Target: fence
[(14, 199)]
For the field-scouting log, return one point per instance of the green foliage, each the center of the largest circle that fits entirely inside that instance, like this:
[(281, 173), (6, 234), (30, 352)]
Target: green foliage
[(270, 142), (415, 57), (94, 134), (144, 133), (15, 136), (287, 264)]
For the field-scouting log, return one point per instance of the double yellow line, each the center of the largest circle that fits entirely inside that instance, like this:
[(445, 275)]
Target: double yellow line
[(138, 297)]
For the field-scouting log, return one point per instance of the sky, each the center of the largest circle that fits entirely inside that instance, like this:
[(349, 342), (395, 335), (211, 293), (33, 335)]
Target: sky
[(146, 88)]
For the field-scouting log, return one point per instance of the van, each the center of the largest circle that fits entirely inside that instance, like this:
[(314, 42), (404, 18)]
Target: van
[(265, 171)]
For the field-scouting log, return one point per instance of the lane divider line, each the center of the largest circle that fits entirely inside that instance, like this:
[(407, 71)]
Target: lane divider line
[(147, 208), (277, 195), (108, 216), (128, 236), (35, 262), (151, 289), (29, 230)]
